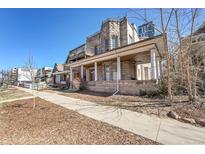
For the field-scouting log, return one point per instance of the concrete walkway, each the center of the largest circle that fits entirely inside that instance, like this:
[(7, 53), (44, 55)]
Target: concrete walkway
[(165, 131), (16, 99)]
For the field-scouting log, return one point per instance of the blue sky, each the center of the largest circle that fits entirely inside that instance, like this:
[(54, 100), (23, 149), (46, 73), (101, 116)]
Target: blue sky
[(46, 34)]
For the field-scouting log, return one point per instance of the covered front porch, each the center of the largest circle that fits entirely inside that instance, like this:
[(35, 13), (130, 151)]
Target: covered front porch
[(127, 70), (61, 79)]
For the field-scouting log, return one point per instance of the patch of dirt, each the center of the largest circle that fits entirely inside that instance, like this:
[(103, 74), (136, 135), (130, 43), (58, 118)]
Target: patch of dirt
[(52, 124)]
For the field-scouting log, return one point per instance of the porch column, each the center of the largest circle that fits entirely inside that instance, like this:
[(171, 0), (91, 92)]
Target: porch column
[(158, 68), (96, 72), (153, 64), (71, 74), (87, 74), (81, 71), (118, 69), (138, 72)]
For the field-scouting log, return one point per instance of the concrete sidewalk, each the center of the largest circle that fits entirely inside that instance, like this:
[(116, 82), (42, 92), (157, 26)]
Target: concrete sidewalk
[(16, 99), (165, 131)]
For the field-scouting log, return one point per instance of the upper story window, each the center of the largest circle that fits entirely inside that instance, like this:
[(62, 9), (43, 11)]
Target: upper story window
[(96, 50), (114, 42), (130, 39), (196, 39), (106, 44)]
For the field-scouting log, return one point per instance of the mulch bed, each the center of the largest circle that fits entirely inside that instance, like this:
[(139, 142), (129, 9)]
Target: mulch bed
[(191, 111), (52, 124), (156, 106)]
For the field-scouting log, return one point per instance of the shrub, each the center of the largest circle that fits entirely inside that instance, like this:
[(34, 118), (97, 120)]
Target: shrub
[(163, 87)]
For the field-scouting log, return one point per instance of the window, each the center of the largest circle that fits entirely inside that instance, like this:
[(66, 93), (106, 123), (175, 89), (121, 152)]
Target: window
[(106, 44), (96, 50), (57, 78), (92, 74), (107, 72), (144, 71), (114, 42), (130, 39), (114, 66), (193, 41)]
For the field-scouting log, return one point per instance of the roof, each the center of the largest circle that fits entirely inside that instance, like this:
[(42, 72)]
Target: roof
[(77, 48), (200, 30), (58, 68), (48, 68)]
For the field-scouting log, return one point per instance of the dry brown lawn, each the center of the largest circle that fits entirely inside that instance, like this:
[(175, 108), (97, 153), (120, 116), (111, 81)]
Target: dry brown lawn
[(52, 124), (12, 93)]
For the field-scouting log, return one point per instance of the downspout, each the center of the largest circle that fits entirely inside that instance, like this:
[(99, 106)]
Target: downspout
[(117, 90)]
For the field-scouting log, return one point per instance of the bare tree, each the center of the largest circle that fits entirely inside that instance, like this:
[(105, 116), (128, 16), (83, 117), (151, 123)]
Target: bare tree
[(5, 76), (183, 66), (30, 67), (163, 31), (189, 63)]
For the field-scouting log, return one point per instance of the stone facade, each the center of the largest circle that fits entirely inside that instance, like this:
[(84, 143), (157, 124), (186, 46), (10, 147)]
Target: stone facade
[(132, 87), (114, 33)]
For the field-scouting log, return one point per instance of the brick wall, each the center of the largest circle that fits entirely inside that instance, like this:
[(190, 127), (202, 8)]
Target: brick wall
[(131, 87)]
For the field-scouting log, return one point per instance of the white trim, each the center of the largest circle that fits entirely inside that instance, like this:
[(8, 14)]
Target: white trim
[(96, 71)]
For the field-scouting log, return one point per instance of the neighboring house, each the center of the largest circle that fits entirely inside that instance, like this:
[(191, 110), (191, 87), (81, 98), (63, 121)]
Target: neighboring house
[(60, 75), (44, 74), (198, 45), (198, 55), (114, 60), (23, 76), (198, 41), (14, 75), (146, 30)]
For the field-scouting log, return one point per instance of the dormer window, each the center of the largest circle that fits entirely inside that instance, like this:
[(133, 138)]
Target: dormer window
[(130, 39), (106, 44), (96, 50), (114, 42)]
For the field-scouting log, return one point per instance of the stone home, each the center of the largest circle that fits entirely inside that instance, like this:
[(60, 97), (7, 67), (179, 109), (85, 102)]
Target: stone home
[(116, 60)]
